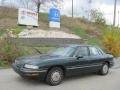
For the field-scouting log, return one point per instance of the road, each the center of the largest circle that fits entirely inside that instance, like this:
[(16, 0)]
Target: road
[(9, 80)]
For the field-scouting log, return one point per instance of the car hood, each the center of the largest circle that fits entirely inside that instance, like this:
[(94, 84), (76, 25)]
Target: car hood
[(36, 59)]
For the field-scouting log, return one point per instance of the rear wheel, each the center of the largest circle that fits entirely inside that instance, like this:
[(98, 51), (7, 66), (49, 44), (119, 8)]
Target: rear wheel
[(105, 69), (55, 76)]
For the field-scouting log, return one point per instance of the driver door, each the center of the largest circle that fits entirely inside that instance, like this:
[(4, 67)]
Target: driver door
[(80, 62)]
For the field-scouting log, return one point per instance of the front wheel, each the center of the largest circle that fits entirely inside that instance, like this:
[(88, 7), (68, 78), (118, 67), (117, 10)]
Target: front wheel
[(55, 76), (105, 69)]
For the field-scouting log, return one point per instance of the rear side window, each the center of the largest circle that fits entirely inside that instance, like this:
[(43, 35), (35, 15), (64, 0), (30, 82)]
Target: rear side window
[(83, 51), (94, 51)]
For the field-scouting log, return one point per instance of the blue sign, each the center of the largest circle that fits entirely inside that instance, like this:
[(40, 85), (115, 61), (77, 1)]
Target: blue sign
[(54, 15)]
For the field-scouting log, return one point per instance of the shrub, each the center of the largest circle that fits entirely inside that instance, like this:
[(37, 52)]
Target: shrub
[(16, 30), (8, 51), (111, 41)]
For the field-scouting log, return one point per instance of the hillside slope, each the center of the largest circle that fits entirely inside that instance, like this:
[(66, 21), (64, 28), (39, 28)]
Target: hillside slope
[(90, 32)]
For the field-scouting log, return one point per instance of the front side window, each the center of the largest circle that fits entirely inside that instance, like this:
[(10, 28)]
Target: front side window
[(83, 51), (63, 51), (94, 51)]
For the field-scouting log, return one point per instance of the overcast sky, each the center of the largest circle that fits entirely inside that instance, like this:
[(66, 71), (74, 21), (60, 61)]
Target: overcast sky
[(81, 7), (105, 6)]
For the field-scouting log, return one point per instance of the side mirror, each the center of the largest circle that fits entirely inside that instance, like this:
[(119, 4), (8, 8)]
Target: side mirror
[(79, 56)]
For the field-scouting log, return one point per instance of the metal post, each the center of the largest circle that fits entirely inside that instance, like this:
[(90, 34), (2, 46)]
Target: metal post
[(114, 19), (118, 18), (72, 9)]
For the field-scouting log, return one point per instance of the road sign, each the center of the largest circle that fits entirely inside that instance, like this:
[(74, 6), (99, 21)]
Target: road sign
[(54, 17), (27, 17)]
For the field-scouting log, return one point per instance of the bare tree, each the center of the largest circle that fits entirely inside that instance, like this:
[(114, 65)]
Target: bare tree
[(3, 2), (9, 4), (38, 3), (97, 17), (25, 3), (34, 3)]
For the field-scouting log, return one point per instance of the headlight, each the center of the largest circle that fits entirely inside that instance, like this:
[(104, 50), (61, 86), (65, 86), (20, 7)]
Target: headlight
[(31, 66)]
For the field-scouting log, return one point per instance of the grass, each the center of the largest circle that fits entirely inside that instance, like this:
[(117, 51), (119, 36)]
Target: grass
[(16, 30), (2, 31), (89, 39), (78, 31), (94, 41), (4, 64), (30, 50), (79, 26)]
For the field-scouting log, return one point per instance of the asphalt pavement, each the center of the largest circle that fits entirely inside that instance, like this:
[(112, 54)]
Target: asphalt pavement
[(9, 80)]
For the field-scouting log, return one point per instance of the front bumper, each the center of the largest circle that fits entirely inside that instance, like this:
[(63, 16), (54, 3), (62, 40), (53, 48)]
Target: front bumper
[(29, 73)]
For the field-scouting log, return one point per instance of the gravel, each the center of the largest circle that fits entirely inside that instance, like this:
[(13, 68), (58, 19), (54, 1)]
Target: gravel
[(46, 34)]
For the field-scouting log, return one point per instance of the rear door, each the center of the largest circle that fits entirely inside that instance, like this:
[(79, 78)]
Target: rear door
[(96, 59)]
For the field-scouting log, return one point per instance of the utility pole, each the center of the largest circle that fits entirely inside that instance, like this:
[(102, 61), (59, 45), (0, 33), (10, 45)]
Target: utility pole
[(72, 9), (114, 19), (90, 8), (118, 18)]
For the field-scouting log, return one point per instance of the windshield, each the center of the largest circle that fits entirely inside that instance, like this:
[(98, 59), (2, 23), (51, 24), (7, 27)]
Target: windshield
[(63, 51)]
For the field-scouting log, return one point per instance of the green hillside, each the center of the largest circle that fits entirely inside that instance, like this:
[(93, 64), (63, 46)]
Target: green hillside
[(90, 32), (101, 35)]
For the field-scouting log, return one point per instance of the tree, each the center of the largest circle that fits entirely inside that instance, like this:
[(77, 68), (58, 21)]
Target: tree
[(97, 17), (33, 4), (25, 3), (38, 4)]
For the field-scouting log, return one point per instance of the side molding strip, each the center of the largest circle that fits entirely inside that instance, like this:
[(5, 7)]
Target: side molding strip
[(85, 66)]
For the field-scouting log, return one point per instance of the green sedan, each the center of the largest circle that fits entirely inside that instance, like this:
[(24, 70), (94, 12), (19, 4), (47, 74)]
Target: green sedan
[(64, 61)]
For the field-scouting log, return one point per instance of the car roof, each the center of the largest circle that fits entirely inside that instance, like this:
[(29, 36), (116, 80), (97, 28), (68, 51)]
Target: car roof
[(77, 45)]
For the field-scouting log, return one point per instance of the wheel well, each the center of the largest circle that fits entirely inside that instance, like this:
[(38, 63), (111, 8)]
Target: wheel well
[(60, 66), (108, 63)]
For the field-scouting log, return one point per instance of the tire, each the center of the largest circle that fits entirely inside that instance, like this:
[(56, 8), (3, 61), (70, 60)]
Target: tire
[(105, 69), (55, 76)]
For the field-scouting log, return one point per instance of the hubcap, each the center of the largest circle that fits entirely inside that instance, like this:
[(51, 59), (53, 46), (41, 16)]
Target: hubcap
[(105, 69), (56, 76)]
